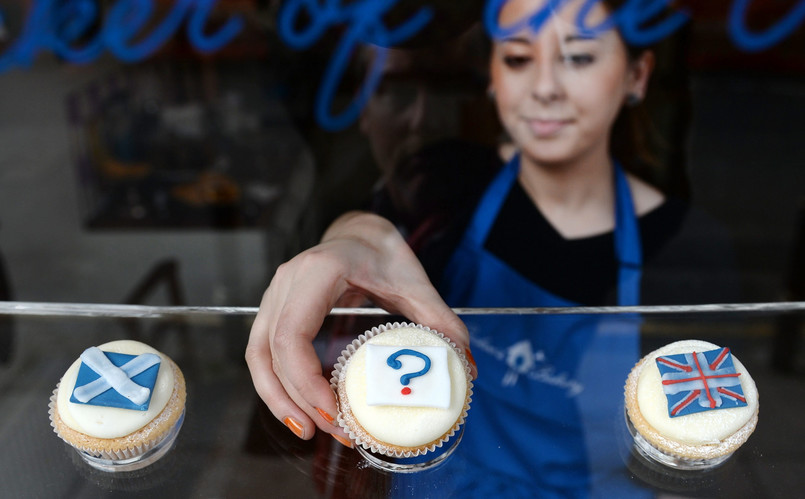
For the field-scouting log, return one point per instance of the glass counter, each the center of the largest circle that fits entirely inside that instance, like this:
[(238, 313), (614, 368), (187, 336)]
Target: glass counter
[(231, 446)]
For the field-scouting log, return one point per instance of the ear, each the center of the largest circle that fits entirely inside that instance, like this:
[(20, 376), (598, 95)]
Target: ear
[(641, 70)]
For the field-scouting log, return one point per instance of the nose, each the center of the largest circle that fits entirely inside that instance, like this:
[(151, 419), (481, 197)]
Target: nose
[(547, 82)]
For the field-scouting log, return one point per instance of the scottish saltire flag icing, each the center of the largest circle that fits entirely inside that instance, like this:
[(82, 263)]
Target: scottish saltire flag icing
[(116, 380), (698, 382)]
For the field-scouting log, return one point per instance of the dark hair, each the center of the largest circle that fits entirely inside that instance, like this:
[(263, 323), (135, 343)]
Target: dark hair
[(649, 138)]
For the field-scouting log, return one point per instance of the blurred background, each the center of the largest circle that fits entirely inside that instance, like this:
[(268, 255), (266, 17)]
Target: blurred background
[(187, 177)]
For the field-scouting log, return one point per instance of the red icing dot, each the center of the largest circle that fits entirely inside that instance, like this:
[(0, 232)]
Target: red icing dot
[(406, 391)]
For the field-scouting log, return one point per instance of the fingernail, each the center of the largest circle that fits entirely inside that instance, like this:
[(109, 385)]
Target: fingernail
[(470, 358), (294, 426), (326, 416), (342, 440)]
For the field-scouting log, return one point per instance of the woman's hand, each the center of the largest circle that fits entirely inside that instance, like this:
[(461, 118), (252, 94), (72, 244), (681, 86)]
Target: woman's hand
[(360, 254)]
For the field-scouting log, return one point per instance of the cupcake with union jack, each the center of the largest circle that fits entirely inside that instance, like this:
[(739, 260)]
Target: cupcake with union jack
[(690, 404)]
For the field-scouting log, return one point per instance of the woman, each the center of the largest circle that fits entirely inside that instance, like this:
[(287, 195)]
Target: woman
[(558, 93)]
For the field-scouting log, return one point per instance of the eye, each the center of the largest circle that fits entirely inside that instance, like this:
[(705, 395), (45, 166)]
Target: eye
[(516, 61), (579, 60)]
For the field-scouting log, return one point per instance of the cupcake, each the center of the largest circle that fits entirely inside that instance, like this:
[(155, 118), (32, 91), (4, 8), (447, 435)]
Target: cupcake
[(403, 390), (120, 405), (690, 404)]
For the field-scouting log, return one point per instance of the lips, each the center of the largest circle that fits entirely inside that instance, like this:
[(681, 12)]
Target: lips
[(546, 127)]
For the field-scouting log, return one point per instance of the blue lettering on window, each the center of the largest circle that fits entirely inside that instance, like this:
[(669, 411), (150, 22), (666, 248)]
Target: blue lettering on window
[(62, 26), (581, 19), (365, 25), (630, 18), (57, 25), (533, 22), (214, 41), (755, 42), (73, 19), (130, 16), (23, 52), (636, 13)]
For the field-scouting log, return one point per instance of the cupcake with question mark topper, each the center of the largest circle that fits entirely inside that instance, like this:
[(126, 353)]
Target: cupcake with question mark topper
[(403, 390)]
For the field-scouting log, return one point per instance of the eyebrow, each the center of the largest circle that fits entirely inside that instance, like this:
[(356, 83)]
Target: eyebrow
[(575, 37), (580, 37), (516, 39)]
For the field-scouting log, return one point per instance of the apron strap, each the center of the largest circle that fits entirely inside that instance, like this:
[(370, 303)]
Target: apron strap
[(628, 249), (488, 207)]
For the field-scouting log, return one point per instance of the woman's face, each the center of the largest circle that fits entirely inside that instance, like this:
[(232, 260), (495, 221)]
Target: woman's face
[(558, 92)]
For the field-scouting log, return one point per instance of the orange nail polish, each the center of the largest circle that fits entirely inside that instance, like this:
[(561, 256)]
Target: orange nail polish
[(470, 358), (342, 440), (294, 426), (326, 416)]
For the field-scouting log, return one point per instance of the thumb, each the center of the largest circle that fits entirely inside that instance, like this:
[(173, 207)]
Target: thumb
[(434, 313)]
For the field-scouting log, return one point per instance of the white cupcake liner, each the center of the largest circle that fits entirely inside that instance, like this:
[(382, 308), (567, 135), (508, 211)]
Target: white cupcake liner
[(348, 422), (125, 457), (653, 453)]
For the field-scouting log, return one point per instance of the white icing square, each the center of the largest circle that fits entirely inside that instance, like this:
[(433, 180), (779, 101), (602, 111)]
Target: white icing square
[(383, 385)]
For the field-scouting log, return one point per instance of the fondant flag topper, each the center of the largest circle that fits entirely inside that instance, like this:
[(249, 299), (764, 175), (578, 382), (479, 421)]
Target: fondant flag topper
[(407, 376), (116, 380), (697, 382)]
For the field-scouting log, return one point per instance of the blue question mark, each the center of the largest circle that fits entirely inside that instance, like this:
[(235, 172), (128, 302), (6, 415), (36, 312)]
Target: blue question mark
[(406, 378)]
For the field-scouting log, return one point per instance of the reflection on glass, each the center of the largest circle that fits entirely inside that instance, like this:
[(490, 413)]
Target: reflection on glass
[(231, 445)]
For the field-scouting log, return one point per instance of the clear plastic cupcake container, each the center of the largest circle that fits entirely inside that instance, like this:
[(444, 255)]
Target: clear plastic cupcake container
[(644, 448), (390, 458), (126, 459)]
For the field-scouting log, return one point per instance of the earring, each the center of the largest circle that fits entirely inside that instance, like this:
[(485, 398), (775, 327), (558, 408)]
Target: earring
[(633, 99)]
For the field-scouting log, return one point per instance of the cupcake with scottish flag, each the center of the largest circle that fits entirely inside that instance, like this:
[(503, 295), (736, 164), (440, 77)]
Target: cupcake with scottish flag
[(120, 405)]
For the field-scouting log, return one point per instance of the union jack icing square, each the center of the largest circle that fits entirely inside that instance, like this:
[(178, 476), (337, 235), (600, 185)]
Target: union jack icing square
[(700, 381), (695, 379)]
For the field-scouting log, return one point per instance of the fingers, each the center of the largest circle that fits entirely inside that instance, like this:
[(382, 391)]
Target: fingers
[(400, 284), (285, 369), (298, 368), (270, 390), (362, 255), (437, 315), (426, 306)]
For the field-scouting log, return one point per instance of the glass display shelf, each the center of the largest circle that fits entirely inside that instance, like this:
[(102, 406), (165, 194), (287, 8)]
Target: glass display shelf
[(230, 445)]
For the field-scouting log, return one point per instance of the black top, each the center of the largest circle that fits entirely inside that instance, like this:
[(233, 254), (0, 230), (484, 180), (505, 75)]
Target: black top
[(582, 270), (687, 256)]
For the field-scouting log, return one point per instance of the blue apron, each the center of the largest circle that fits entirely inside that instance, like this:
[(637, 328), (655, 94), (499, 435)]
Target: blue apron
[(549, 396)]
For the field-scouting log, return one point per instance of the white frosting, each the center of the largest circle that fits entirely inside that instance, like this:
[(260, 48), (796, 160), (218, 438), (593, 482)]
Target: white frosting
[(384, 382), (112, 422), (708, 427), (405, 426)]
